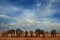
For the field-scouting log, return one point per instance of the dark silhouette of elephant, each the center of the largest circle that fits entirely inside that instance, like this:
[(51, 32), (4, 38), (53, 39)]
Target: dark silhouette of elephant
[(4, 34), (11, 32), (8, 32), (31, 33), (26, 33), (18, 32), (38, 32), (53, 33)]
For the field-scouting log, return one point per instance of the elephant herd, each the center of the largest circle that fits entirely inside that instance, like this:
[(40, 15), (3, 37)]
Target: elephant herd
[(19, 33)]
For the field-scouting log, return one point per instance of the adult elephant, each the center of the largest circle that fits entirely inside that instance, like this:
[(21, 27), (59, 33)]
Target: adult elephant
[(19, 33), (4, 34), (53, 33), (26, 33), (38, 32), (9, 32), (31, 33)]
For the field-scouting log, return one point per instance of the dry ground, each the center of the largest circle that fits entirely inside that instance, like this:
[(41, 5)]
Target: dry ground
[(48, 37)]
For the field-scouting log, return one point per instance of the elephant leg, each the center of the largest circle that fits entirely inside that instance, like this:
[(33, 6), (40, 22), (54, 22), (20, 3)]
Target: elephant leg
[(43, 35), (53, 35), (14, 34), (17, 35), (39, 35), (3, 35), (36, 35), (31, 35), (11, 35), (25, 35), (6, 35)]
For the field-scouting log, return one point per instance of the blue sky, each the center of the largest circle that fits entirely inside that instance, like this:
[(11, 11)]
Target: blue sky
[(30, 14)]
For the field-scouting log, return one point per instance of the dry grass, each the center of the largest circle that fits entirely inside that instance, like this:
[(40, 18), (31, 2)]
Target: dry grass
[(32, 38)]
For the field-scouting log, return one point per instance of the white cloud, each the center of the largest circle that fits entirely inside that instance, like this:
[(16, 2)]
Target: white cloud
[(25, 22), (9, 9), (28, 13), (54, 0), (4, 16), (44, 10), (30, 21)]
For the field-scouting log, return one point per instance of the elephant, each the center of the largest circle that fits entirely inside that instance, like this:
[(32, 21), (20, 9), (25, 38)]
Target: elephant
[(38, 32), (9, 32), (53, 33), (19, 32), (26, 33), (31, 33), (4, 34)]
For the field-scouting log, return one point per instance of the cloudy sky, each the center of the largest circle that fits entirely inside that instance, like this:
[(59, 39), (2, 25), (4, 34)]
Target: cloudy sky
[(30, 14)]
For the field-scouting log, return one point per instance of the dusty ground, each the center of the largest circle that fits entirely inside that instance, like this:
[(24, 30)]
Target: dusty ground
[(48, 37)]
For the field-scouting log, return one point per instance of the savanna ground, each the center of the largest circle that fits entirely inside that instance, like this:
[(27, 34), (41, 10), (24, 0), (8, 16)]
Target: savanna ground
[(47, 37)]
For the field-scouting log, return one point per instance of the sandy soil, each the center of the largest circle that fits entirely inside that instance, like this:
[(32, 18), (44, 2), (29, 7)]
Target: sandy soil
[(48, 37)]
